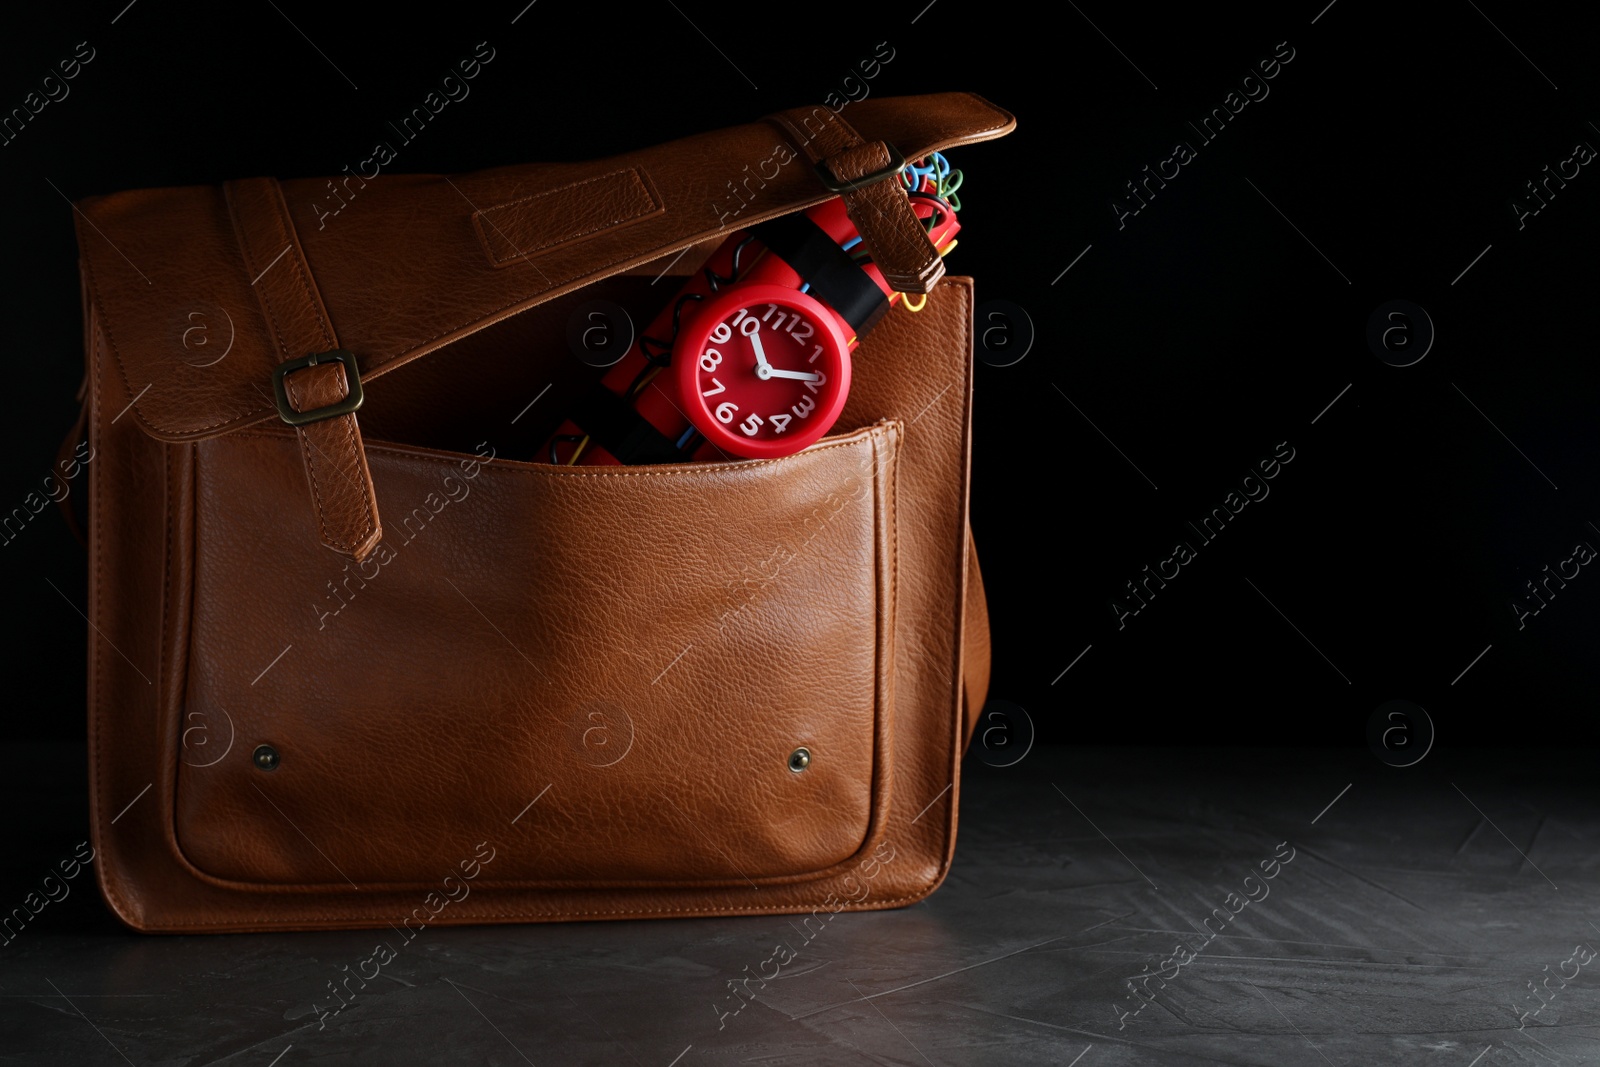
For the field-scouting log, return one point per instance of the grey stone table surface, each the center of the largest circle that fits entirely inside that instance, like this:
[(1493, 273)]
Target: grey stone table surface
[(1106, 907)]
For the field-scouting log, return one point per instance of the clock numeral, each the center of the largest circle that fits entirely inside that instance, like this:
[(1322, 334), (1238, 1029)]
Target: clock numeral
[(802, 409), (735, 320), (822, 379), (815, 352), (750, 423), (721, 332), (780, 423), (725, 411), (720, 388), (794, 326), (711, 360), (750, 326)]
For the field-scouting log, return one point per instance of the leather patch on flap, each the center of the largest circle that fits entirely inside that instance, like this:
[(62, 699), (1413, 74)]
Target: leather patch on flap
[(518, 229)]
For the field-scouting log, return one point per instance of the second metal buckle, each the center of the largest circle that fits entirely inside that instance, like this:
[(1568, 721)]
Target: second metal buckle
[(351, 401)]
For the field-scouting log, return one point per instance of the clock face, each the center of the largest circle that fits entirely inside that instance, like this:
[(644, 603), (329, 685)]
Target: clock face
[(763, 370)]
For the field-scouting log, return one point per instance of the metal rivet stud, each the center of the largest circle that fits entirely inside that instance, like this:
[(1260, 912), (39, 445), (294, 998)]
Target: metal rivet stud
[(799, 759), (266, 758)]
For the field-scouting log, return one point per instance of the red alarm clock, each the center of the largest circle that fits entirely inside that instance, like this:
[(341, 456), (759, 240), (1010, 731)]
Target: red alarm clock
[(763, 370)]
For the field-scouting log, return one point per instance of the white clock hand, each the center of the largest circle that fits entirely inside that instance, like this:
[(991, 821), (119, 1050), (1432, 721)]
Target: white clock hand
[(794, 375), (763, 368)]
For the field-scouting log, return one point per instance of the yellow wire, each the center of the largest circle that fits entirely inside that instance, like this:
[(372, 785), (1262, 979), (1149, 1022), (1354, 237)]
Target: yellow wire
[(906, 300), (644, 383), (578, 451)]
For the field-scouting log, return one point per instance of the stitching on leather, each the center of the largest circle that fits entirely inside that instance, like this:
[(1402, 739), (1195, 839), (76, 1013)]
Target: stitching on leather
[(281, 342), (484, 316), (291, 238), (521, 299), (307, 448), (867, 155), (110, 875), (997, 110), (655, 207), (834, 121), (894, 542), (322, 328), (872, 438), (923, 257), (891, 441), (262, 296), (799, 205), (360, 482), (957, 648), (279, 336), (466, 918), (183, 655), (359, 485), (166, 575), (926, 256), (900, 229), (97, 675), (316, 487), (546, 470), (105, 324)]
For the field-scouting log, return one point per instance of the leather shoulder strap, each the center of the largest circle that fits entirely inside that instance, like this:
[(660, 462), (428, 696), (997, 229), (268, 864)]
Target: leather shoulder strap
[(878, 206), (331, 448)]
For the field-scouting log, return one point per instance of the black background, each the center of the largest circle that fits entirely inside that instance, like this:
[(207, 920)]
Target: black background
[(1196, 338)]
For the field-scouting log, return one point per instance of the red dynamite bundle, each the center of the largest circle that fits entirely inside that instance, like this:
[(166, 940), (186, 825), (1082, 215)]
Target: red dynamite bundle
[(752, 357)]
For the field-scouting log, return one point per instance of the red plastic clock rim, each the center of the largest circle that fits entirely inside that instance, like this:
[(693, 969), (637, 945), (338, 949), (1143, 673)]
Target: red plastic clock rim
[(692, 339)]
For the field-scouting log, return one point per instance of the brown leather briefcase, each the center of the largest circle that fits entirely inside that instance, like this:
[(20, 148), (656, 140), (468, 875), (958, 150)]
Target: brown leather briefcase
[(382, 668)]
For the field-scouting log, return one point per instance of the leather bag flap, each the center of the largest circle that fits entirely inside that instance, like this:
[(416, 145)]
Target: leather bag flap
[(405, 264)]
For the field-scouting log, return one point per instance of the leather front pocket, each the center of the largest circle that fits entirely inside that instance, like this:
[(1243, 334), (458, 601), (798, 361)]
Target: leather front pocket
[(604, 673)]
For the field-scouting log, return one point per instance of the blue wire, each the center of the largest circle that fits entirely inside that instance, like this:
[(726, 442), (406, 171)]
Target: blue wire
[(847, 247), (913, 175), (940, 173)]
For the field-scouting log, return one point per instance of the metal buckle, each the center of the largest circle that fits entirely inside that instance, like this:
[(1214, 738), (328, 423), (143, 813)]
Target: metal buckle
[(351, 401), (897, 162)]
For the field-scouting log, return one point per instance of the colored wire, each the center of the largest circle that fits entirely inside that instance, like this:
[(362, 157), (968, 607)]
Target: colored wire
[(658, 352), (912, 176), (945, 179), (932, 174), (567, 439), (945, 210), (715, 280), (663, 349)]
